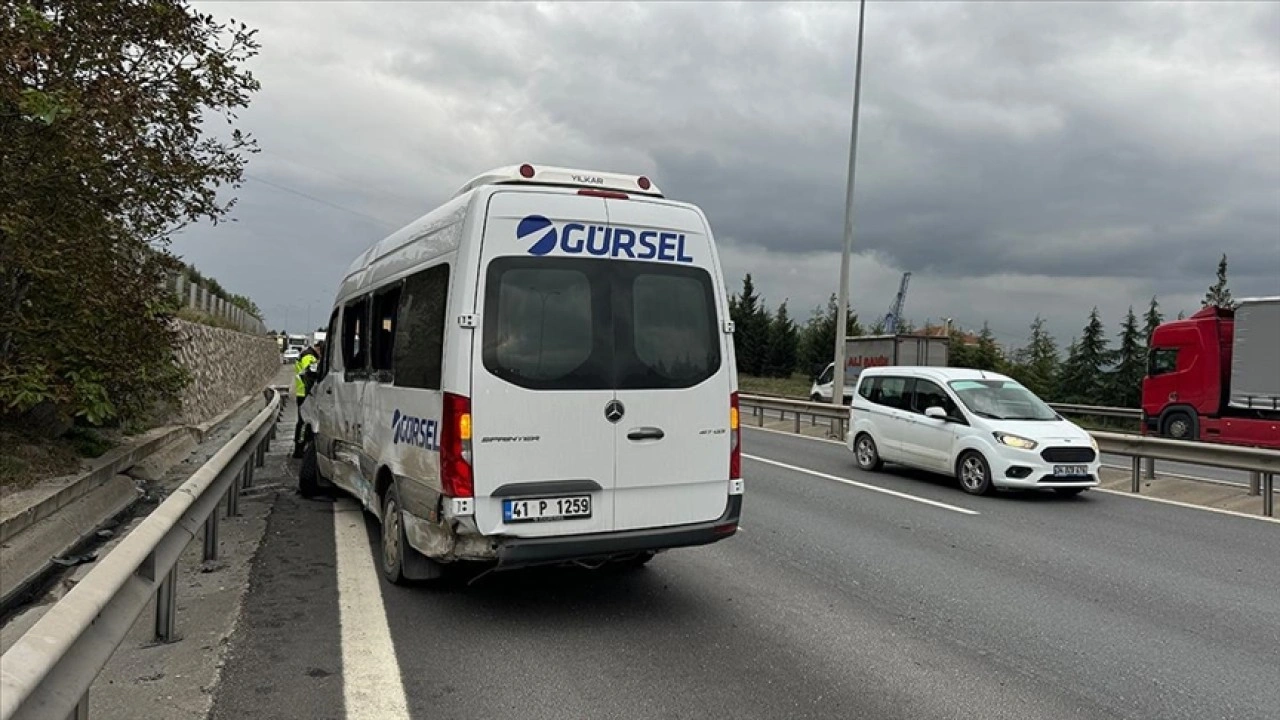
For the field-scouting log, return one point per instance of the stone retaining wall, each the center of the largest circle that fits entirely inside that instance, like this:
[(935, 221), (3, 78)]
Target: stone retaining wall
[(225, 365)]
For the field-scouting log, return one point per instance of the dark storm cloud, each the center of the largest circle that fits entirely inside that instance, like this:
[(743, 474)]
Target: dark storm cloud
[(1093, 142)]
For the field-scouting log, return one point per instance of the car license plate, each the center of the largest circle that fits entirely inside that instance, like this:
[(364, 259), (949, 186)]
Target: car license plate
[(1070, 470), (542, 509)]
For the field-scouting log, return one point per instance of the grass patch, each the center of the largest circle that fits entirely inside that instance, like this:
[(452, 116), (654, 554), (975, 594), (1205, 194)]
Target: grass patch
[(797, 386)]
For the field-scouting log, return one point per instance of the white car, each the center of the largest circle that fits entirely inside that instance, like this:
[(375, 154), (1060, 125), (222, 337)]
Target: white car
[(291, 355), (539, 371), (983, 428)]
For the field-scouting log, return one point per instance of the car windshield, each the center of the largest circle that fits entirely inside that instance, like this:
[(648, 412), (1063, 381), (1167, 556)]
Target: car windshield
[(1001, 400)]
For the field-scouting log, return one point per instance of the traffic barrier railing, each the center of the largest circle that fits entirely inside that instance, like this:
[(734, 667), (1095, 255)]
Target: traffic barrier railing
[(48, 671)]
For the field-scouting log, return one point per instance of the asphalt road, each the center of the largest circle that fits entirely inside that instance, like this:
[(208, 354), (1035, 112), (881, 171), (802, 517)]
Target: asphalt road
[(835, 601)]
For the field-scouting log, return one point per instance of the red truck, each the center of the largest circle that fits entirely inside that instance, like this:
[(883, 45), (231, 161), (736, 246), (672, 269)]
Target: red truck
[(1215, 376)]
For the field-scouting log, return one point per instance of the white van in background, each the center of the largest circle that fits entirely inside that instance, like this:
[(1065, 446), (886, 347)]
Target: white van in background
[(541, 370), (983, 428)]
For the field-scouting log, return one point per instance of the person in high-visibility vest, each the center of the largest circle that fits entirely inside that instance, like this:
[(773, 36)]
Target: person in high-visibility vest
[(303, 373)]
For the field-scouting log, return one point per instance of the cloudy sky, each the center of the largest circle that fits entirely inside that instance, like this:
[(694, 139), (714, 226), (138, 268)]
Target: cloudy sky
[(1016, 158)]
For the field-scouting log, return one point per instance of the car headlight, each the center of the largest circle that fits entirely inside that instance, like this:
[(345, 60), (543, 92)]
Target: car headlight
[(1015, 441), (1094, 442)]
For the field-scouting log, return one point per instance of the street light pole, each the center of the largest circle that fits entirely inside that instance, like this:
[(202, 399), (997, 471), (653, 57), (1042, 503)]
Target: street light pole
[(842, 320)]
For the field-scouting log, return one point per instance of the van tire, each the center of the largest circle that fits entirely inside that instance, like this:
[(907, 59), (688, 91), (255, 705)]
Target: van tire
[(974, 473), (392, 545), (866, 454), (309, 470)]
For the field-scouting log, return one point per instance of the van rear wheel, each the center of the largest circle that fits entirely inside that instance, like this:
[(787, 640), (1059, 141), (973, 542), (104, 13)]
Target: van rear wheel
[(866, 453), (393, 540)]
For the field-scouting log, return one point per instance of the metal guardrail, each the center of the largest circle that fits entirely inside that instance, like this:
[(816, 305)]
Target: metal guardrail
[(47, 673), (1263, 464)]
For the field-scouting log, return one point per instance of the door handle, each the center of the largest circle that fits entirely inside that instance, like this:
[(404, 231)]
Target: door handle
[(646, 433)]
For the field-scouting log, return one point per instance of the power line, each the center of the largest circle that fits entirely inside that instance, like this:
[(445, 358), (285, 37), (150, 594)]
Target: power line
[(354, 184), (313, 198)]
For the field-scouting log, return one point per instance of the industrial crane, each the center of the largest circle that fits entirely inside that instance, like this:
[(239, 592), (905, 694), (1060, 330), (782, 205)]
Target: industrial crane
[(895, 310)]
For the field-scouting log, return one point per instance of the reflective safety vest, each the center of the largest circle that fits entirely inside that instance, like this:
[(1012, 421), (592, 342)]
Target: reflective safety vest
[(307, 360)]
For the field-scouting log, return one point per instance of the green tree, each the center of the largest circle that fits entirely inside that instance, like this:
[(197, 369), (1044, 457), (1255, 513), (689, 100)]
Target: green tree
[(1083, 375), (960, 353), (818, 339), (1219, 294), (1152, 320), (986, 354), (783, 344), (103, 108), (1131, 366), (1036, 363), (751, 329)]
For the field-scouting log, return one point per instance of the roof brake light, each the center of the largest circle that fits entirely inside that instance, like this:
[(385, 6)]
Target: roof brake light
[(611, 194), (644, 183), (526, 171)]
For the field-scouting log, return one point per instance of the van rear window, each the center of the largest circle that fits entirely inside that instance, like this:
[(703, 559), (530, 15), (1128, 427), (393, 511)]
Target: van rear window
[(588, 324)]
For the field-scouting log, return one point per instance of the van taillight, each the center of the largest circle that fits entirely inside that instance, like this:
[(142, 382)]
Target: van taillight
[(455, 448), (735, 439)]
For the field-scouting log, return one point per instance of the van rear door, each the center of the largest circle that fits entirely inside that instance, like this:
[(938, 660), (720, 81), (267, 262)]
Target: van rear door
[(542, 379), (673, 372)]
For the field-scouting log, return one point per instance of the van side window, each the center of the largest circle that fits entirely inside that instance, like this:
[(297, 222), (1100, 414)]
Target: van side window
[(355, 336), (326, 355), (929, 394), (893, 392), (386, 305), (419, 329)]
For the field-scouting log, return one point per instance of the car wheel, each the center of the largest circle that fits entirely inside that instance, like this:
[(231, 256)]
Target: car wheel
[(309, 471), (815, 398), (1069, 492), (393, 540), (974, 474), (866, 453), (1179, 426)]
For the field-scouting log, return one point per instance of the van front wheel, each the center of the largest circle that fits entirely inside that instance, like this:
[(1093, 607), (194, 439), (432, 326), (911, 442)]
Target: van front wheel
[(974, 474)]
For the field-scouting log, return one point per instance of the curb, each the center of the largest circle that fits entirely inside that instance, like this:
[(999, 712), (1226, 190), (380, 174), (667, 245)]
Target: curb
[(107, 505)]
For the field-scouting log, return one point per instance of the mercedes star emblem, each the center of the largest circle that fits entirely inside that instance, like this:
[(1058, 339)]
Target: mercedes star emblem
[(614, 411)]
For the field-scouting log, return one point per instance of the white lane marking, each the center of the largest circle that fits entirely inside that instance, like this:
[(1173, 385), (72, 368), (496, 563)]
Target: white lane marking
[(1189, 506), (864, 486), (371, 684)]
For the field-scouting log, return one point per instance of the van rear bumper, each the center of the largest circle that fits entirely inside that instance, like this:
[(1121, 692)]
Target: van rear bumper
[(524, 552)]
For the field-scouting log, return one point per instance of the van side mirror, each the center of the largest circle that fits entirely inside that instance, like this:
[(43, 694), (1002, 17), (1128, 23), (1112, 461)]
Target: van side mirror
[(935, 412)]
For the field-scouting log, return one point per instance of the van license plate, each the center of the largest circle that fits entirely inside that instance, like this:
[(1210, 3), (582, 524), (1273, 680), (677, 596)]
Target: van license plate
[(1070, 470), (535, 509)]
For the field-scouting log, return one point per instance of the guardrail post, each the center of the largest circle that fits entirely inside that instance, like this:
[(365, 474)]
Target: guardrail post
[(211, 537), (1136, 481), (1255, 482), (1268, 495), (248, 472), (167, 606), (797, 422), (1151, 468), (81, 710), (233, 498)]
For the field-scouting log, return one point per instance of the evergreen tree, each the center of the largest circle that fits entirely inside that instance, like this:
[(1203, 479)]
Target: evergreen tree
[(959, 353), (751, 329), (818, 339), (1131, 366), (783, 344), (986, 354), (1152, 320), (1219, 294), (1083, 378), (1036, 364)]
